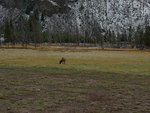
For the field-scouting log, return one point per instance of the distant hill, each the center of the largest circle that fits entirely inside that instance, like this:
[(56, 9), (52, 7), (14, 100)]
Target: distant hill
[(114, 15)]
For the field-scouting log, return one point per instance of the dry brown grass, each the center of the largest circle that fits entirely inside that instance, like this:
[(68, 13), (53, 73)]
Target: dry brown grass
[(91, 81)]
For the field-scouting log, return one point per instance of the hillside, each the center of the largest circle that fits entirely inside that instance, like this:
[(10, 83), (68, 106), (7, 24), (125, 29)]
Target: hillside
[(114, 14)]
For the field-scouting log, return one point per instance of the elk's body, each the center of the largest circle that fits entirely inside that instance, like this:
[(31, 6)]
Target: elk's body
[(63, 60)]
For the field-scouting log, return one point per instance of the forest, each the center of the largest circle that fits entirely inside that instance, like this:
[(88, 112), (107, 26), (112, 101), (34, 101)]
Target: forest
[(31, 31)]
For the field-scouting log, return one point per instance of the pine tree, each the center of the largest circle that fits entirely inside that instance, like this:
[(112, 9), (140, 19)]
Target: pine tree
[(9, 32), (118, 39), (110, 36), (42, 17), (23, 31), (147, 36), (130, 36), (12, 38), (35, 29), (141, 39), (113, 38)]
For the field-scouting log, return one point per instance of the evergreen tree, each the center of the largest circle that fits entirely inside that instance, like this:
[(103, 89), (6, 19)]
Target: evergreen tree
[(42, 17), (110, 36), (12, 40), (147, 36), (35, 29), (8, 32), (113, 37), (124, 37), (36, 13), (130, 36), (106, 36), (23, 31), (136, 36), (139, 38), (118, 39)]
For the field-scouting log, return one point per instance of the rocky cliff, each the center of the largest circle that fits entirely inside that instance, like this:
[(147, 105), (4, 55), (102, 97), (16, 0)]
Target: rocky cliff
[(64, 15)]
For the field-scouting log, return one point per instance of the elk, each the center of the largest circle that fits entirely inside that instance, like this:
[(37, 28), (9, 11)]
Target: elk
[(63, 60)]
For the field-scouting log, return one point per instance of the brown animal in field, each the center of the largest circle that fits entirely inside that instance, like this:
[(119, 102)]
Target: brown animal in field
[(63, 60)]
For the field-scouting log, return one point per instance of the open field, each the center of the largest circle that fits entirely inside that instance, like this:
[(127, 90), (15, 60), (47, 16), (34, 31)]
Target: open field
[(91, 81)]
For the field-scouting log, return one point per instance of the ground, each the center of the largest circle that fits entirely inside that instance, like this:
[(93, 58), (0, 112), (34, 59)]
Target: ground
[(91, 81)]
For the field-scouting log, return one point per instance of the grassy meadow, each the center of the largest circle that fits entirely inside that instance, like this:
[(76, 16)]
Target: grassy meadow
[(91, 81)]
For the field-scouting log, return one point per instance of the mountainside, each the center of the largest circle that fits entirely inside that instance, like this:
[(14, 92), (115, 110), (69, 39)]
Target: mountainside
[(68, 15)]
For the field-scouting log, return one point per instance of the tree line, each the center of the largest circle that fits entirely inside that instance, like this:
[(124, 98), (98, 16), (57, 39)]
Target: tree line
[(30, 31)]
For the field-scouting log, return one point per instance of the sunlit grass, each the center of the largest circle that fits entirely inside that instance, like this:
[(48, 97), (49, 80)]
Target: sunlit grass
[(136, 62), (32, 80)]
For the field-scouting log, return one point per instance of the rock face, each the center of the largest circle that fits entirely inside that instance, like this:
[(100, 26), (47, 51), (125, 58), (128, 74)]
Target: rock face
[(71, 14)]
